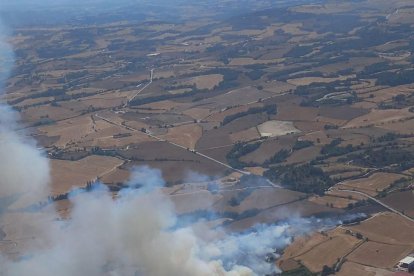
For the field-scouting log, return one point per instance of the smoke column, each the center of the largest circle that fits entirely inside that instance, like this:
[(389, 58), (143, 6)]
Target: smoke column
[(22, 167)]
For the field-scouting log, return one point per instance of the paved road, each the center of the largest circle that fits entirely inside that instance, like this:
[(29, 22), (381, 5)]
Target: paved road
[(379, 202)]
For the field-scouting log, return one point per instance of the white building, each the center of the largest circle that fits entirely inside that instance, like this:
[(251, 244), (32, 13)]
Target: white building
[(406, 264)]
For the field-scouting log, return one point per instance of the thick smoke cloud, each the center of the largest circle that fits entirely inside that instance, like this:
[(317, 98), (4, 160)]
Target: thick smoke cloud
[(22, 167), (135, 234)]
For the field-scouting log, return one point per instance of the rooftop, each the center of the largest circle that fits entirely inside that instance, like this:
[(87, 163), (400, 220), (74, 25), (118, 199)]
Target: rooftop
[(407, 260)]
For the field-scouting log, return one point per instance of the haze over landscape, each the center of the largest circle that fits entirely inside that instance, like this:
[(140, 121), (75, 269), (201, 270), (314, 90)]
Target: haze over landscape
[(227, 138)]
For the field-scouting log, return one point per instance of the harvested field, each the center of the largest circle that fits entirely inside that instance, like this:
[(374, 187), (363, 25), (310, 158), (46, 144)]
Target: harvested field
[(115, 177), (21, 230), (335, 202), (328, 252), (45, 141), (34, 114), (261, 198), (277, 128), (289, 109), (218, 153), (206, 81), (379, 117), (386, 228), (197, 113), (245, 135), (304, 155), (250, 61), (175, 163), (269, 148), (256, 170), (404, 127), (308, 126), (164, 105), (402, 201), (379, 254), (68, 174), (373, 184), (185, 135), (386, 94), (157, 119), (344, 194), (99, 139), (355, 269), (221, 136), (71, 130), (192, 202), (175, 172), (357, 63), (301, 245), (245, 95), (342, 112)]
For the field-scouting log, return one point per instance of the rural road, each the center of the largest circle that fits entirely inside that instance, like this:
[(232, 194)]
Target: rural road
[(175, 144), (142, 89), (223, 190), (172, 143), (378, 202)]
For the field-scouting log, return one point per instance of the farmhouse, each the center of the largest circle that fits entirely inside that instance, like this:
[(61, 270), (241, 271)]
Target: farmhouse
[(406, 264)]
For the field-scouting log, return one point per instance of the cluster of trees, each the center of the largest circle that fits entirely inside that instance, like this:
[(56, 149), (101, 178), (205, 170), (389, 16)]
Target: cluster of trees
[(269, 109), (140, 101), (301, 144), (396, 78), (389, 137), (73, 76), (333, 148), (255, 74), (240, 149), (386, 156), (304, 178), (104, 152), (56, 51), (299, 51), (279, 157)]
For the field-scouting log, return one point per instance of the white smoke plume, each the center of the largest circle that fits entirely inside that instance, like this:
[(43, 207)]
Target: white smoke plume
[(135, 234), (22, 167)]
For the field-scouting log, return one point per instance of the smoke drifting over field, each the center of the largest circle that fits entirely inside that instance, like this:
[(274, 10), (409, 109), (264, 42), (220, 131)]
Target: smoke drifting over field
[(136, 234)]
